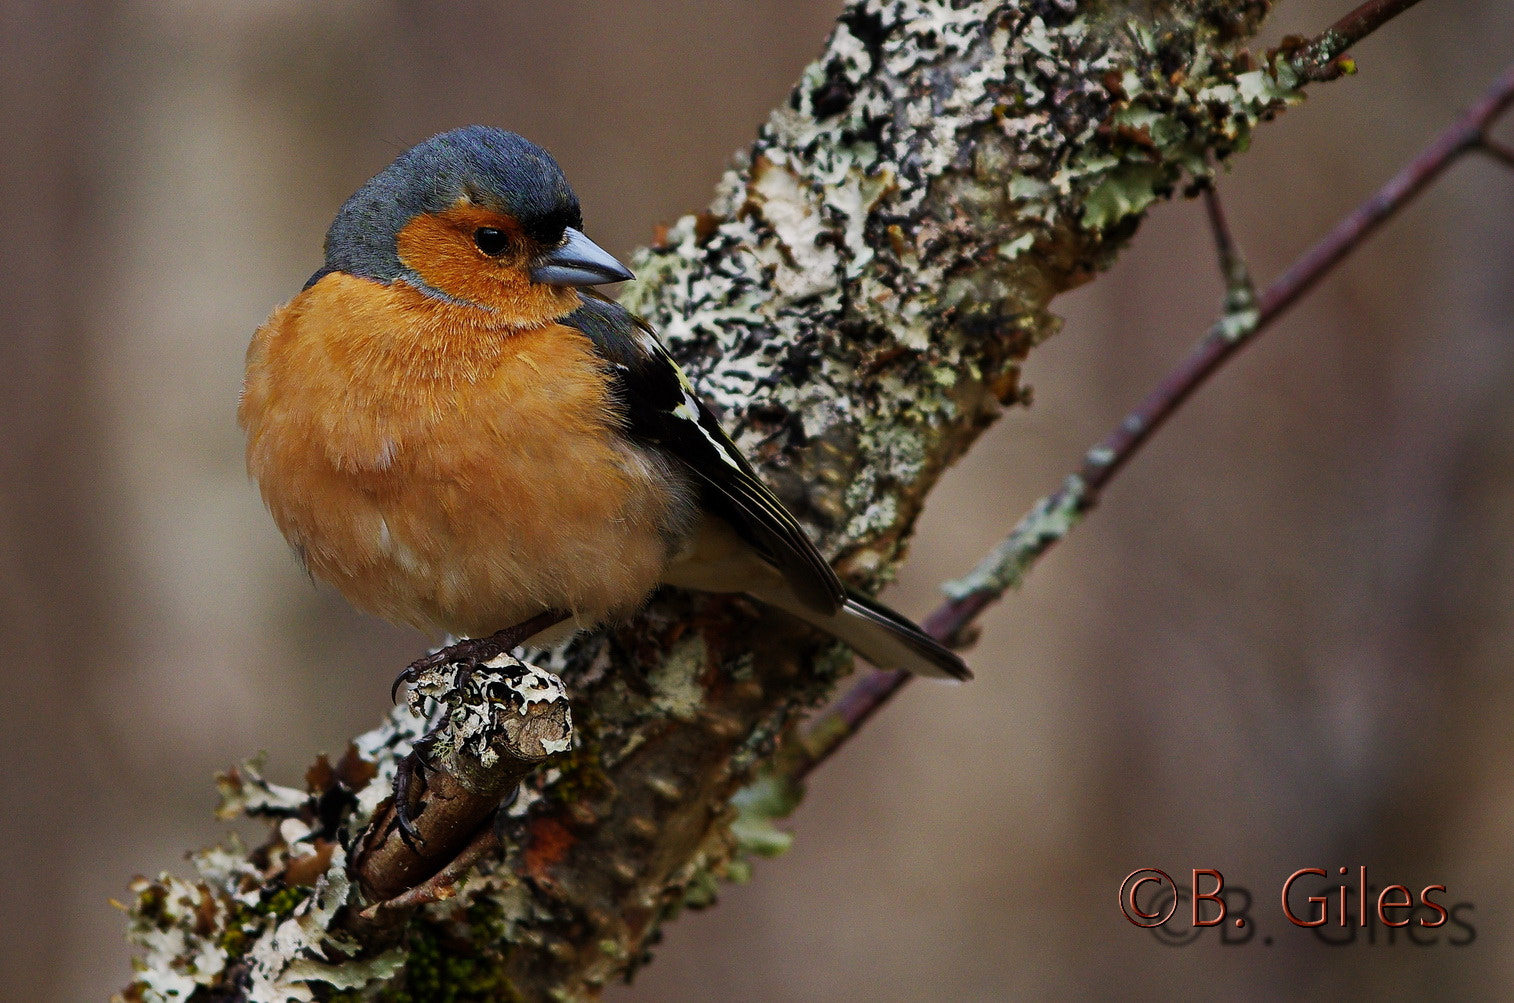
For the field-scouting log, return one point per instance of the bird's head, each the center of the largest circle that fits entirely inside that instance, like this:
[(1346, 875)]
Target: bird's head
[(478, 216)]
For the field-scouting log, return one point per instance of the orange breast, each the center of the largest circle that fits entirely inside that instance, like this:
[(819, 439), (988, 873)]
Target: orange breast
[(446, 471)]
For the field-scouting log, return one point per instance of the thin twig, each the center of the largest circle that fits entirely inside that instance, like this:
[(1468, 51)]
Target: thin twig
[(443, 884), (1317, 59), (1498, 151), (1056, 514), (1240, 290)]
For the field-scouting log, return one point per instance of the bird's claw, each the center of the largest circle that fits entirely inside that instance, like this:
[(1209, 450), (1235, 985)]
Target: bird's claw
[(403, 679), (421, 751), (410, 770), (468, 654), (471, 652)]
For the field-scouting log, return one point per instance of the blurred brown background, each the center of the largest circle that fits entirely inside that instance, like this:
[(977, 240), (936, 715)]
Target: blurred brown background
[(1286, 640)]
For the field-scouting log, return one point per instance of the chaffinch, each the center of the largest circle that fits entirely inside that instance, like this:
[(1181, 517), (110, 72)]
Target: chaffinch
[(453, 430)]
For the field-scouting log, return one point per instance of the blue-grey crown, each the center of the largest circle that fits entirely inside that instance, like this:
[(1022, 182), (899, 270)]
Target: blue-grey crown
[(492, 167)]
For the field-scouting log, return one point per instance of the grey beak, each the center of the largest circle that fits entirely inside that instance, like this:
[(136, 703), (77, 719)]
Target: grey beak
[(578, 262)]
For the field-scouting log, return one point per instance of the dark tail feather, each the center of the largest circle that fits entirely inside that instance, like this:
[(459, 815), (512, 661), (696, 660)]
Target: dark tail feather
[(890, 641), (876, 632)]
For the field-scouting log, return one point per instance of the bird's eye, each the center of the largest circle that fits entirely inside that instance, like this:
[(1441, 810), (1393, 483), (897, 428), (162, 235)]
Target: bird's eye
[(490, 240)]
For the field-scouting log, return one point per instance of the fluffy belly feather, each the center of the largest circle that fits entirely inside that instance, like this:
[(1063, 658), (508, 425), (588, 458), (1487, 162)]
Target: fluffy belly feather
[(472, 554), (465, 512)]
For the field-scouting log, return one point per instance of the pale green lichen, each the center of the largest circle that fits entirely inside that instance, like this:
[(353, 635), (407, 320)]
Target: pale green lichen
[(758, 806), (1099, 456), (1238, 324), (675, 681), (1124, 191), (1004, 567), (1012, 249)]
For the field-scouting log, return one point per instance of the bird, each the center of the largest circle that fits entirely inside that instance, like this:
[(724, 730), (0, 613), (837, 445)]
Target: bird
[(454, 428)]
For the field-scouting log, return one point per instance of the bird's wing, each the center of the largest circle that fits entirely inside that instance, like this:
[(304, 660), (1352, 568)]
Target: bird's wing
[(662, 409)]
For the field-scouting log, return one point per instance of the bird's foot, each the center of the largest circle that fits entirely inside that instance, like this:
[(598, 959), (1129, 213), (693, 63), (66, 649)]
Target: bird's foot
[(471, 652), (467, 654)]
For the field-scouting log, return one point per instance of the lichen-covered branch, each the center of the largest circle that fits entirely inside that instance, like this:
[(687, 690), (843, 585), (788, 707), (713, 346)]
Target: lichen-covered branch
[(1244, 315), (335, 881), (857, 303), (495, 729), (1320, 58)]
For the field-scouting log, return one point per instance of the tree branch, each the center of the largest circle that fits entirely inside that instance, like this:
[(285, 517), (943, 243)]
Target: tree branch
[(1318, 58), (504, 721), (866, 285), (1240, 290), (1049, 521), (1498, 151)]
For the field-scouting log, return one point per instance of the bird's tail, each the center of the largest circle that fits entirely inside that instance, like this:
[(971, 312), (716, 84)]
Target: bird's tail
[(879, 635), (718, 560)]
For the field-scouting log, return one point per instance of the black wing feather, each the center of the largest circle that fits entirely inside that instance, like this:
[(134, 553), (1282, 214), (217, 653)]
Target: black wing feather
[(662, 409)]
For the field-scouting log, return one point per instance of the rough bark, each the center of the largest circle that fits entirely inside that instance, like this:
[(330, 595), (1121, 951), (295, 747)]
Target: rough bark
[(856, 303)]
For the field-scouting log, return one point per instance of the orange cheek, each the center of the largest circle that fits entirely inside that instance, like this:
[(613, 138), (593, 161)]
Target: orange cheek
[(440, 249)]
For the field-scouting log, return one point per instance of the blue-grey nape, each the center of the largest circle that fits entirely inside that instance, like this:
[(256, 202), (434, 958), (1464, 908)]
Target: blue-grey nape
[(493, 168)]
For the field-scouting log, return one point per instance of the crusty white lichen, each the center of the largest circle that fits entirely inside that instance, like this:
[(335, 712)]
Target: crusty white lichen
[(247, 916), (893, 209), (483, 711), (675, 680), (279, 938)]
